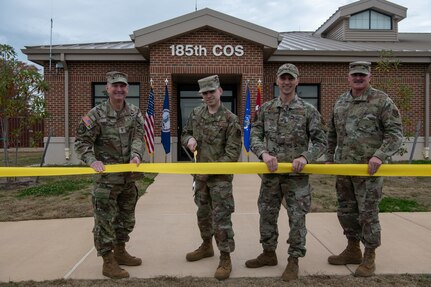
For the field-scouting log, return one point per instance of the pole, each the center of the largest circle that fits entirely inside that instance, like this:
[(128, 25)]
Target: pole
[(418, 127)]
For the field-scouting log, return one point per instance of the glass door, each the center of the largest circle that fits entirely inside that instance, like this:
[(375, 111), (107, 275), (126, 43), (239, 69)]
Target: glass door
[(189, 98)]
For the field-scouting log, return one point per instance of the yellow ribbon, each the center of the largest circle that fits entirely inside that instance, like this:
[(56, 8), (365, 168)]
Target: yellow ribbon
[(224, 168)]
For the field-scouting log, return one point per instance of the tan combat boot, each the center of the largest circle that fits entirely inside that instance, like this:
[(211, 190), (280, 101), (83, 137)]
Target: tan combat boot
[(205, 250), (367, 267), (351, 255), (111, 268), (291, 271), (124, 258), (267, 258), (224, 268)]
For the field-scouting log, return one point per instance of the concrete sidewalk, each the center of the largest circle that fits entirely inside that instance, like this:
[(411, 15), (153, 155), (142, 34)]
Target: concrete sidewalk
[(166, 230)]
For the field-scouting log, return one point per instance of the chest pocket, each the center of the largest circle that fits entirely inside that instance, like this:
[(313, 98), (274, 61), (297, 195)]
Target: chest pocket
[(214, 132), (109, 130)]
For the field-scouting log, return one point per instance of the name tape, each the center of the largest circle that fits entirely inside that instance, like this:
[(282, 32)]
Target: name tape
[(224, 168)]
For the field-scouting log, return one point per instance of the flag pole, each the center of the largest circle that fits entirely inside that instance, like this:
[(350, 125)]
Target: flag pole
[(166, 124), (248, 154), (166, 155), (154, 151), (246, 122)]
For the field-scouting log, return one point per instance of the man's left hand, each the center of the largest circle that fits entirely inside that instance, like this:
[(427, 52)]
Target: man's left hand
[(374, 164), (298, 164), (135, 160)]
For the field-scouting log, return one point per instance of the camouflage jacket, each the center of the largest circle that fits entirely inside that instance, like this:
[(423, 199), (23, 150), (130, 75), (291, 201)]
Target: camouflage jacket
[(286, 133), (363, 127), (218, 135), (111, 137)]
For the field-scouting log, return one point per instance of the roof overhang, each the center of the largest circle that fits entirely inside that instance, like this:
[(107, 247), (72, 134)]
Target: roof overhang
[(111, 51), (347, 56), (173, 28)]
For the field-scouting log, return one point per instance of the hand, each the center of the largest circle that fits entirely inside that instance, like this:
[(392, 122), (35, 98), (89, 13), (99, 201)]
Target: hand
[(191, 144), (97, 166), (271, 161), (298, 164), (373, 165), (135, 160)]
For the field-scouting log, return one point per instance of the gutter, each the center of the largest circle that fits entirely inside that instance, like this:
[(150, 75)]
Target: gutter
[(426, 151), (66, 107)]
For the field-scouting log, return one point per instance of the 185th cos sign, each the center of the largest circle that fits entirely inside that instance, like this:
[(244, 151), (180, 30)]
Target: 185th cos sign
[(199, 50)]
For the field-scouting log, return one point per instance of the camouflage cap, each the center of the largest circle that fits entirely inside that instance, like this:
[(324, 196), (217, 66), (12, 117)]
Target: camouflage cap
[(116, 77), (210, 83), (360, 67), (288, 68)]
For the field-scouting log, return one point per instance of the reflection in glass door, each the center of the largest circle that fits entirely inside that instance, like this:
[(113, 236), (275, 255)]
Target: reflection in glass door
[(189, 99)]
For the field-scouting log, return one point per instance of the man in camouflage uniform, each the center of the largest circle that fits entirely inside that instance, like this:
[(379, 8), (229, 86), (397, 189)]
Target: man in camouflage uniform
[(365, 127), (214, 133), (112, 133), (287, 129)]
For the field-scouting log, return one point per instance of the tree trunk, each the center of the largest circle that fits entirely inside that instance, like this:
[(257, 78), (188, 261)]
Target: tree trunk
[(4, 125)]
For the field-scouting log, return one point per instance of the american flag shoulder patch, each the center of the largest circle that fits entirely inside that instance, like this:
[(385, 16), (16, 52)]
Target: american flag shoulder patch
[(88, 122)]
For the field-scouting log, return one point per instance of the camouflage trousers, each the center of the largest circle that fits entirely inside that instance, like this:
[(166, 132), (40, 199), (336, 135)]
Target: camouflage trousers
[(214, 199), (114, 214), (358, 208), (297, 192)]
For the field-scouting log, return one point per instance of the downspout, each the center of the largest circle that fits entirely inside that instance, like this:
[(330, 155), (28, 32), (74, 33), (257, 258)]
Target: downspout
[(426, 152), (66, 108)]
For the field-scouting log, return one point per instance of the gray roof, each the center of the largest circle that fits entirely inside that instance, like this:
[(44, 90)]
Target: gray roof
[(104, 51), (411, 47), (389, 8), (294, 46)]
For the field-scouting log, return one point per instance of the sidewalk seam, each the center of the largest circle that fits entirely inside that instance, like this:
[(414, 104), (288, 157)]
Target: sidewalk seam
[(409, 220), (67, 275), (324, 246)]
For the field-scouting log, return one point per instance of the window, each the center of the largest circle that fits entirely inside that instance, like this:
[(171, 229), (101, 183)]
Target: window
[(309, 92), (370, 20), (100, 95)]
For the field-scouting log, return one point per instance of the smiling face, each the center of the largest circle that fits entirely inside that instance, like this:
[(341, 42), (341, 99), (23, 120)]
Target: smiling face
[(358, 82), (287, 85), (117, 93), (212, 98)]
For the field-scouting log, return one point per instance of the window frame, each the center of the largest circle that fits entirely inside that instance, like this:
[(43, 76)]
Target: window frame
[(317, 98), (370, 21), (131, 98)]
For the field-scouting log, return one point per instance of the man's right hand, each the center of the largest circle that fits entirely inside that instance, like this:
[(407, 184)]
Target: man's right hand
[(98, 166), (191, 144)]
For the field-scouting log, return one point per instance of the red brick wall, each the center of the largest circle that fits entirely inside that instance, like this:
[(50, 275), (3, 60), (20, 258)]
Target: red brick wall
[(165, 65), (332, 78), (81, 77)]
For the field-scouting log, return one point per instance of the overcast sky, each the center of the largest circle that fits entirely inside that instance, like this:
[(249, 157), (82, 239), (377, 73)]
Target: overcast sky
[(27, 22)]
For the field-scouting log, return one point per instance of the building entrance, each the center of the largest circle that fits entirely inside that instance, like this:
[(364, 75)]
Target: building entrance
[(189, 98)]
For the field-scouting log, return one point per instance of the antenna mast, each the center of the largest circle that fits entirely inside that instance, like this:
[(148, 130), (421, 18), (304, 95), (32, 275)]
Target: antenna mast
[(50, 47)]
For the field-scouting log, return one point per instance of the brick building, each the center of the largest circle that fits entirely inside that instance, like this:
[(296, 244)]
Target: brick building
[(207, 42)]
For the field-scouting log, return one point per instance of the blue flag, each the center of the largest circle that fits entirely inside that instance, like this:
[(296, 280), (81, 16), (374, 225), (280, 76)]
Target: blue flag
[(166, 123), (247, 126)]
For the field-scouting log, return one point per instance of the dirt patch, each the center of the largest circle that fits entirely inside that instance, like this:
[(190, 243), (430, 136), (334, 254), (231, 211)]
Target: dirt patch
[(78, 203), (314, 281), (70, 205), (324, 198)]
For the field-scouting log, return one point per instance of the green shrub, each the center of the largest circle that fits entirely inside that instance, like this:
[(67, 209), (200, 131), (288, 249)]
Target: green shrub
[(393, 204), (55, 188)]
